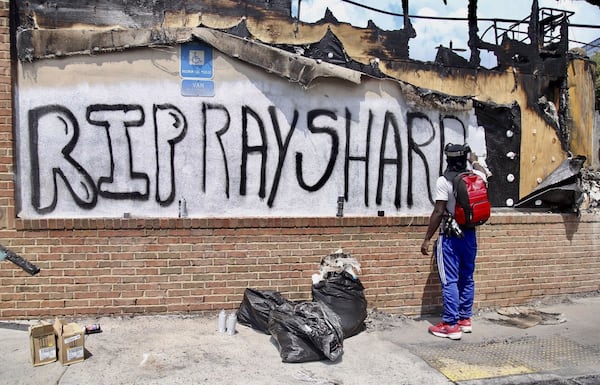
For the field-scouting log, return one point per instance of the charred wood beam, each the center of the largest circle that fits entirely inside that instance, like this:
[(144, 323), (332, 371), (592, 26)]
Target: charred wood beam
[(288, 65), (474, 40), (138, 14), (35, 44)]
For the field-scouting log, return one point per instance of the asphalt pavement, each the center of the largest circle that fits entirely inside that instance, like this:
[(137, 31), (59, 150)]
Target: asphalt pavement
[(552, 343)]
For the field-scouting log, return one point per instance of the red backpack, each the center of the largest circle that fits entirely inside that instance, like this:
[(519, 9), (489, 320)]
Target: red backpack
[(472, 207)]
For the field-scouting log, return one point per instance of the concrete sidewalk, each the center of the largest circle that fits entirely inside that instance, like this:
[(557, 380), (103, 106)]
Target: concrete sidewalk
[(564, 348)]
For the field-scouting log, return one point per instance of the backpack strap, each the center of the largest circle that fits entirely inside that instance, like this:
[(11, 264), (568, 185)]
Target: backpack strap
[(450, 175)]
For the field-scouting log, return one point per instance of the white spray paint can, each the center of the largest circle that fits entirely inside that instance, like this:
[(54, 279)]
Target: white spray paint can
[(221, 327), (231, 321)]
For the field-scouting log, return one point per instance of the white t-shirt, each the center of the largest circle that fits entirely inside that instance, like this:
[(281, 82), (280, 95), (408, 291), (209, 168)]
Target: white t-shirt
[(444, 191)]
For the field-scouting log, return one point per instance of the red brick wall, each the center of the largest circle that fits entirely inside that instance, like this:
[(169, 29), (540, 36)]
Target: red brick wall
[(133, 266), (7, 202), (129, 266)]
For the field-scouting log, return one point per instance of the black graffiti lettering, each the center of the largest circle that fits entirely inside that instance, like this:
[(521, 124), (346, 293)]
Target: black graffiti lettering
[(54, 129), (54, 137), (283, 148), (415, 148), (170, 127), (247, 149), (311, 116), (390, 119), (117, 119), (350, 158), (219, 133)]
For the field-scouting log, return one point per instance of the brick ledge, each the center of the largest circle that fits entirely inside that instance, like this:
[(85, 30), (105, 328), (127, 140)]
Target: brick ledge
[(500, 217)]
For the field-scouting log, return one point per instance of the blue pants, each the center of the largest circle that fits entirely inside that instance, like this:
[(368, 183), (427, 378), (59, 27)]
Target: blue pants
[(455, 259)]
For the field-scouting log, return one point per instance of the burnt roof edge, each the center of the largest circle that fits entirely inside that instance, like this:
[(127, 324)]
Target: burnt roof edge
[(35, 45), (274, 60), (38, 44), (46, 44)]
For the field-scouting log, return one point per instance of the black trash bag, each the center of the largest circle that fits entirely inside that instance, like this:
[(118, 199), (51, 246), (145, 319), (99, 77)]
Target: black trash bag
[(256, 306), (306, 331), (345, 295)]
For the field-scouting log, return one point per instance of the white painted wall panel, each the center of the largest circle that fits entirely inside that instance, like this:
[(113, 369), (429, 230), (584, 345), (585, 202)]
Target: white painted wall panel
[(112, 134)]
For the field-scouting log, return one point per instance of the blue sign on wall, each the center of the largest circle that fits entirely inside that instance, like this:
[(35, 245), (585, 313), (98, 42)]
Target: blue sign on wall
[(192, 87), (196, 61)]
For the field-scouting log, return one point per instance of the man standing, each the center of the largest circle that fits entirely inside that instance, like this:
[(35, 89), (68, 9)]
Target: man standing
[(455, 254)]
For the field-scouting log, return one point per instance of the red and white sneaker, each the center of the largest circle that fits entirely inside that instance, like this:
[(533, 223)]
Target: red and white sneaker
[(445, 330), (465, 325)]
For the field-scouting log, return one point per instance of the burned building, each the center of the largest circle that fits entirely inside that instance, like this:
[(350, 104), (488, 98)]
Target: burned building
[(163, 156), (525, 116)]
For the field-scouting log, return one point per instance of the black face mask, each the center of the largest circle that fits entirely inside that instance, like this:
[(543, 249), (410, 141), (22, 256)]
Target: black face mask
[(457, 164)]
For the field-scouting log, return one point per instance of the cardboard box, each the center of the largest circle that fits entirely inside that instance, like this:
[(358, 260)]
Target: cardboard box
[(70, 342), (43, 344)]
